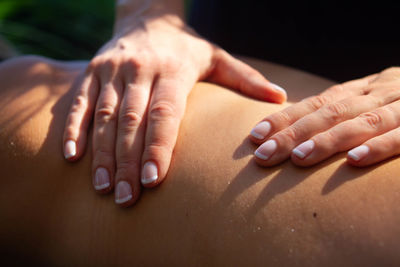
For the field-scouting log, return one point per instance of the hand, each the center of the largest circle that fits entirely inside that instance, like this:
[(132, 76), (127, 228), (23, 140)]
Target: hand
[(362, 115), (137, 87)]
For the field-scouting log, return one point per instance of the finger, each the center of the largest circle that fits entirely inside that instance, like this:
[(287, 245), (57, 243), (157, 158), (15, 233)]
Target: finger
[(105, 123), (231, 72), (283, 119), (321, 120), (376, 149), (130, 140), (165, 112), (79, 117), (348, 134)]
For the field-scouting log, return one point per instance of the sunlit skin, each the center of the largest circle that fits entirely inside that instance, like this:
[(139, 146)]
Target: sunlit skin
[(216, 207), (360, 116), (135, 90)]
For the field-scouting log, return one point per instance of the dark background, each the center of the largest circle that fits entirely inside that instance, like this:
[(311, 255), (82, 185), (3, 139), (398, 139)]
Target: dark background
[(341, 40)]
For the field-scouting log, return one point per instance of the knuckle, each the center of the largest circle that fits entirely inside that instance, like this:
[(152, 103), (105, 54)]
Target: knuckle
[(317, 101), (130, 120), (337, 88), (135, 63), (162, 111), (111, 64), (290, 134), (105, 114), (373, 119), (282, 116), (95, 63), (79, 104), (335, 111)]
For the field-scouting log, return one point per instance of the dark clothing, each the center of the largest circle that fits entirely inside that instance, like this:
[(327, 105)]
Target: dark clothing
[(338, 39)]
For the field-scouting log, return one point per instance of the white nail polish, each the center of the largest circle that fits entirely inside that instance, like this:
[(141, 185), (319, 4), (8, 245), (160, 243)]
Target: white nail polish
[(278, 88), (149, 173), (261, 130), (70, 149), (265, 151), (304, 149), (358, 153), (101, 179), (123, 192)]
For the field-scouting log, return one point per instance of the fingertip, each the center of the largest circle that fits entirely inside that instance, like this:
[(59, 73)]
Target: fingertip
[(102, 181), (70, 150), (281, 91), (125, 195), (150, 174), (260, 132)]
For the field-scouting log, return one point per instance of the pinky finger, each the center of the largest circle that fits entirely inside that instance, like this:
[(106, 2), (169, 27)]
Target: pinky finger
[(79, 118), (376, 149)]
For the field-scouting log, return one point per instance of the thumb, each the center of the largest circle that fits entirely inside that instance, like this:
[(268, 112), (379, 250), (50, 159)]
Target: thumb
[(233, 73)]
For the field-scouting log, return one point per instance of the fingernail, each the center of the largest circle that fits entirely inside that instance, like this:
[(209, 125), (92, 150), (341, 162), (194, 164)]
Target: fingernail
[(358, 153), (304, 149), (70, 149), (266, 150), (278, 88), (149, 172), (261, 130), (101, 179), (123, 192)]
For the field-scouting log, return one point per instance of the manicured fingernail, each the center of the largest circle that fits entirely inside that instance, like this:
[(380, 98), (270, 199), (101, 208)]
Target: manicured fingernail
[(304, 149), (123, 192), (261, 130), (358, 153), (278, 88), (101, 179), (149, 173), (266, 150), (70, 149)]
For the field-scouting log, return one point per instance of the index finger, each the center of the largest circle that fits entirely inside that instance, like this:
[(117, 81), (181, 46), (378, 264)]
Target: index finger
[(79, 117), (282, 119)]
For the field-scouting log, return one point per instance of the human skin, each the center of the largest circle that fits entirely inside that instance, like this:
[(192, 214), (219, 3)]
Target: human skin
[(360, 116), (135, 91), (217, 207)]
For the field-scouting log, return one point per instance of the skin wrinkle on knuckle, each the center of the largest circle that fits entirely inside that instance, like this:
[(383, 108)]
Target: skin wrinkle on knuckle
[(290, 134), (335, 112), (79, 104), (281, 116), (105, 114), (162, 111), (316, 102), (372, 119), (130, 120)]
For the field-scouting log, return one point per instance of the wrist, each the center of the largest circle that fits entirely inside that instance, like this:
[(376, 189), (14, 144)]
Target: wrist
[(130, 13)]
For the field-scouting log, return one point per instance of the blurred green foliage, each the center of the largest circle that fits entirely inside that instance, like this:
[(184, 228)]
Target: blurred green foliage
[(61, 29)]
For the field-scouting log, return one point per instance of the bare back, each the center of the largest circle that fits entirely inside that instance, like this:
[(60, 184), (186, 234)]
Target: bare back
[(216, 207)]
